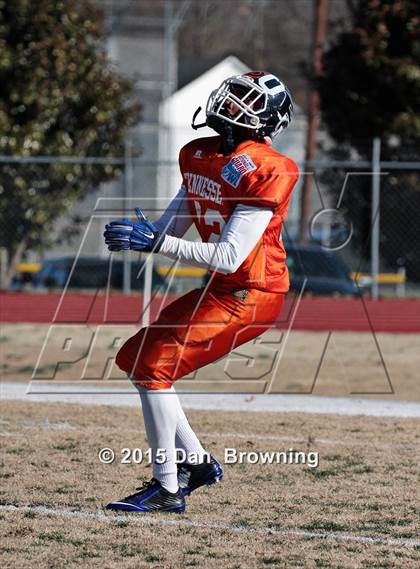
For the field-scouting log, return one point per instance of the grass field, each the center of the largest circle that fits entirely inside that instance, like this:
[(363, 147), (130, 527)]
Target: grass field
[(351, 362), (357, 509)]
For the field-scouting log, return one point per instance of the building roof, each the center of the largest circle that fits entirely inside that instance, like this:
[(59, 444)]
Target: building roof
[(183, 102)]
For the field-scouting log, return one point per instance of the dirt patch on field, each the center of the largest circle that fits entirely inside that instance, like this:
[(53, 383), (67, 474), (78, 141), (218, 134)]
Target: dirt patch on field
[(364, 487), (336, 364)]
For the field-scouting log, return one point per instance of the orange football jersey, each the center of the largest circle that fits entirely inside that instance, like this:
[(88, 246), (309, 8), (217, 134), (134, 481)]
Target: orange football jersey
[(254, 174)]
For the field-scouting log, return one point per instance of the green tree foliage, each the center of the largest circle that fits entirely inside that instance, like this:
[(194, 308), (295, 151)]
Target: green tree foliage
[(371, 87), (59, 96)]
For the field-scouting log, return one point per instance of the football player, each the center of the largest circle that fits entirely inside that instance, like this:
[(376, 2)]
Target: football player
[(236, 190)]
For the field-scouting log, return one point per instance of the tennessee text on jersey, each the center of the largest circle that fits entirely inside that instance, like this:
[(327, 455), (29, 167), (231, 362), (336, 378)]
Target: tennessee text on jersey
[(203, 187)]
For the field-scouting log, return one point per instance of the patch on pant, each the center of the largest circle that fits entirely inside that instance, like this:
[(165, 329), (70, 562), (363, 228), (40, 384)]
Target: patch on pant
[(240, 294), (236, 168)]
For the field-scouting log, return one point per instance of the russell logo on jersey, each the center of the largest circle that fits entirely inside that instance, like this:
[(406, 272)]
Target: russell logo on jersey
[(236, 168)]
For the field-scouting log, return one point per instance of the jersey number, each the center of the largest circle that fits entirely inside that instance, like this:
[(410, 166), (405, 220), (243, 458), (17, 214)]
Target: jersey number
[(212, 220)]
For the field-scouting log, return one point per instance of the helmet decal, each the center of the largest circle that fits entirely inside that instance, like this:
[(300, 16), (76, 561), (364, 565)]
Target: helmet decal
[(255, 74)]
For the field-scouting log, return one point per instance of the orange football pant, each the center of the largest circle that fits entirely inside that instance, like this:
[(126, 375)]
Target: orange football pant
[(195, 330)]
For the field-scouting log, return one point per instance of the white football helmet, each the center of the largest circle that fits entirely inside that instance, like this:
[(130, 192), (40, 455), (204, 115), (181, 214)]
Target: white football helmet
[(257, 101)]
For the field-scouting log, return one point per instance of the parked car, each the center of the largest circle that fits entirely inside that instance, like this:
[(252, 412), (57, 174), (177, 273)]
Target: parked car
[(25, 275), (325, 271), (91, 273)]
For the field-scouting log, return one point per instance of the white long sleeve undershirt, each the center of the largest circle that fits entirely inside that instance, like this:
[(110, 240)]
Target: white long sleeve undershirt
[(177, 218), (239, 236)]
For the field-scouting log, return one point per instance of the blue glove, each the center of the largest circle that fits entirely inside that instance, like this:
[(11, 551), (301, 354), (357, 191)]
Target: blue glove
[(124, 234)]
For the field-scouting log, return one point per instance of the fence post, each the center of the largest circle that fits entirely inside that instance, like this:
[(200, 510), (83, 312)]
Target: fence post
[(3, 267), (400, 288), (375, 225), (147, 290), (127, 193)]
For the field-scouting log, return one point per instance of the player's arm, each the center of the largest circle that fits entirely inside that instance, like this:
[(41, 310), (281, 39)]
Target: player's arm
[(240, 235), (176, 219)]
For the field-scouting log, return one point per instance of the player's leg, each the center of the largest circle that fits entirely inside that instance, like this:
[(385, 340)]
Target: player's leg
[(133, 356), (221, 322), (218, 326), (161, 409), (164, 416), (199, 468), (151, 354), (185, 437), (162, 493), (193, 331), (160, 418), (165, 422), (193, 335), (154, 357)]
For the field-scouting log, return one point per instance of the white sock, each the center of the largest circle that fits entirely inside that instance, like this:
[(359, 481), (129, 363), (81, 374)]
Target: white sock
[(186, 439), (160, 413)]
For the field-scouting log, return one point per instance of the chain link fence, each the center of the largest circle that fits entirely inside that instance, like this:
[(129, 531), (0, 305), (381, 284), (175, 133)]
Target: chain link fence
[(364, 212)]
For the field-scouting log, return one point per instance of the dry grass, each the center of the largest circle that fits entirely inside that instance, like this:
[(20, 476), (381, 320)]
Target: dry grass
[(365, 486), (352, 363)]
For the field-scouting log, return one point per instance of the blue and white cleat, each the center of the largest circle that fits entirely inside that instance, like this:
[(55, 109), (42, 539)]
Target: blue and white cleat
[(151, 497), (192, 476)]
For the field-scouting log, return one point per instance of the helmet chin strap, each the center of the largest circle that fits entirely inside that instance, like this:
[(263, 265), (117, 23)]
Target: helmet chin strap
[(197, 126), (228, 140)]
